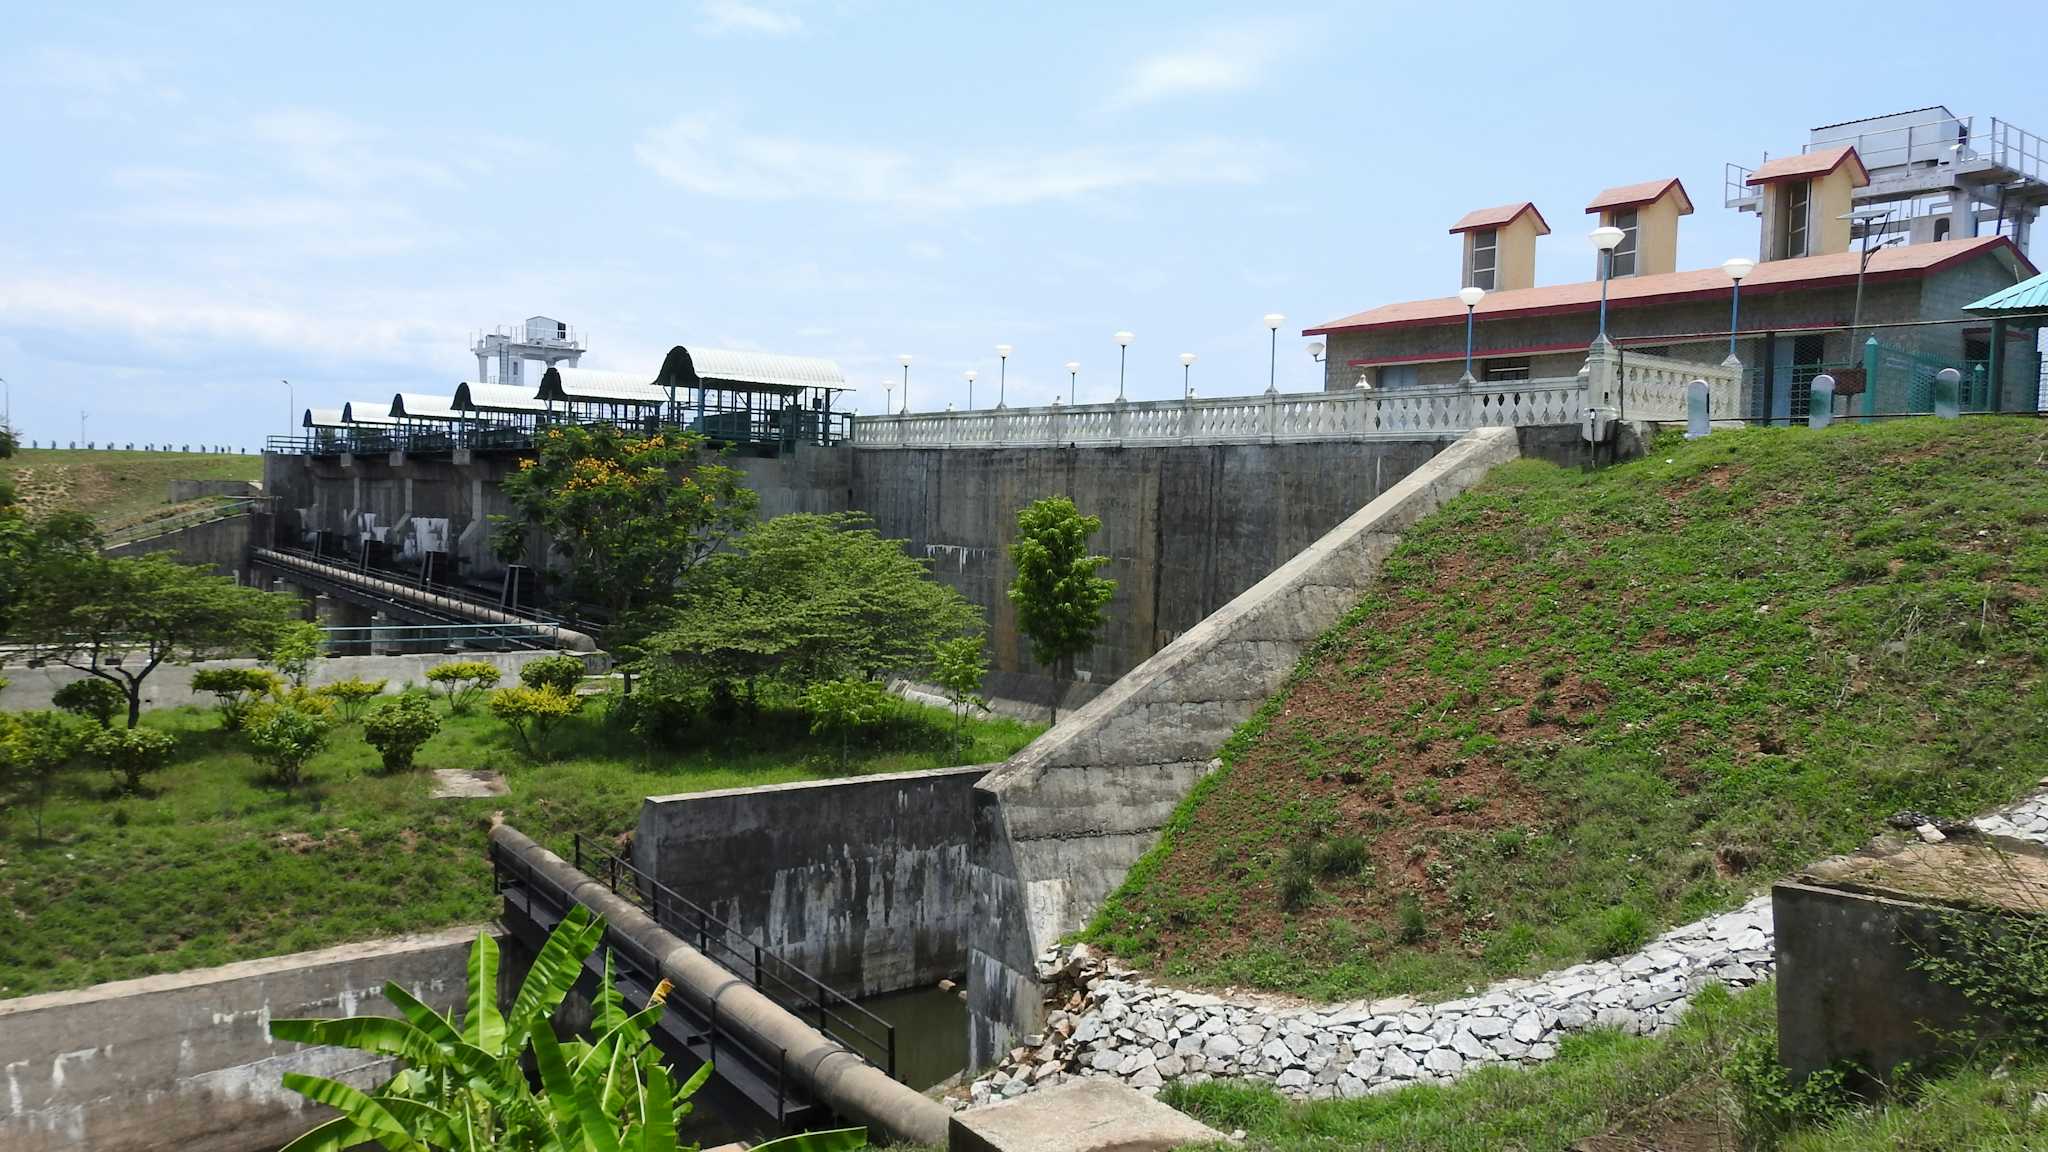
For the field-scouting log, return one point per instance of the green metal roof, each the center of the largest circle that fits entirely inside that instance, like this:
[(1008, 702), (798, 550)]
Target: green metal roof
[(2026, 298)]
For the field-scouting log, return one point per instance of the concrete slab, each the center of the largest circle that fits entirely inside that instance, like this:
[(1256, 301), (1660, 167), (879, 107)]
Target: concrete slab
[(1082, 1116), (452, 783)]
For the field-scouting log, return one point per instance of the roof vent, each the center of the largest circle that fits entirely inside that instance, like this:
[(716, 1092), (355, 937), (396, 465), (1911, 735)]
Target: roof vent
[(1500, 246)]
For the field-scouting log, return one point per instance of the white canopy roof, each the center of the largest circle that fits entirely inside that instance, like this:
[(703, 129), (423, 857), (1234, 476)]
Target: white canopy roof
[(421, 406), (323, 418), (593, 385), (368, 413), (769, 369), (497, 398)]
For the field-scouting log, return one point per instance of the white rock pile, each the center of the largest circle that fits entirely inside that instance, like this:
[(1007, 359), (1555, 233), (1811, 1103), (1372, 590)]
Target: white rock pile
[(1111, 1024), (1104, 1022)]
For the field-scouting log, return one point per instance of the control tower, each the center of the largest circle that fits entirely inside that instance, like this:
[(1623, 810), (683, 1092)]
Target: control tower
[(549, 341)]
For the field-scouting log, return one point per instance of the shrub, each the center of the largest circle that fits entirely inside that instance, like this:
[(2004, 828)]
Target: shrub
[(1341, 856), (397, 727), (130, 754), (534, 714), (36, 749), (1999, 962), (846, 707), (237, 689), (102, 700), (1771, 1106), (1296, 880), (562, 672), (292, 653), (1622, 929), (351, 696), (463, 681), (285, 737), (1414, 924)]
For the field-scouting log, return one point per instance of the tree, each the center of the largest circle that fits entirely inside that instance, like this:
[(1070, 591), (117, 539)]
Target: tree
[(463, 681), (91, 697), (118, 618), (237, 689), (1058, 596), (958, 667), (36, 750), (294, 649), (131, 753), (534, 714), (561, 671), (29, 545), (807, 598), (287, 735), (465, 1085), (632, 514), (351, 696), (397, 727)]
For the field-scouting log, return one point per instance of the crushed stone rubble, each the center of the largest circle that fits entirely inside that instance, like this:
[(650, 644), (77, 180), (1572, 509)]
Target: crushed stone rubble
[(1105, 1022)]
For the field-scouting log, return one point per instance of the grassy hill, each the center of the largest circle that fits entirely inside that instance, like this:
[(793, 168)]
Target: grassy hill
[(119, 489), (1582, 706)]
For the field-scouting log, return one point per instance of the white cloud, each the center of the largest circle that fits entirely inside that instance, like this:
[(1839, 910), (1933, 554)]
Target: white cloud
[(1227, 57), (95, 84), (712, 158), (729, 16)]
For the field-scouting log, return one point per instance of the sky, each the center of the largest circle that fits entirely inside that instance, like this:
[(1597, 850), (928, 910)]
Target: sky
[(203, 201)]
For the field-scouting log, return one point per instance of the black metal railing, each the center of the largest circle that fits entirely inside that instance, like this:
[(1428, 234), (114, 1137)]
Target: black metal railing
[(832, 1012)]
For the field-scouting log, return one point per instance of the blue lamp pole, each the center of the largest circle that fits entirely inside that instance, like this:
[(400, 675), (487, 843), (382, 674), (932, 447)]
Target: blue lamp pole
[(1470, 297), (1605, 238), (1736, 269)]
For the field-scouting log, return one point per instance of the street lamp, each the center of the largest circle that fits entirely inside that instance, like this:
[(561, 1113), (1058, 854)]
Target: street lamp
[(905, 361), (1187, 361), (1002, 374), (1736, 268), (1273, 322), (1469, 296), (291, 400), (1605, 238), (1123, 345), (1073, 373), (888, 396), (1315, 351), (970, 374)]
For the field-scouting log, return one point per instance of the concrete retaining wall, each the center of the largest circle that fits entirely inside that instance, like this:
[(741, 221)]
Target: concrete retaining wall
[(170, 686), (223, 543), (1059, 824), (183, 490), (860, 882), (186, 1060)]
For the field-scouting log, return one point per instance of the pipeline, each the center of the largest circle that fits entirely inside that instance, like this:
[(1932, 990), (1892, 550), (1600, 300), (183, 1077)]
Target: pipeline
[(834, 1075), (568, 638)]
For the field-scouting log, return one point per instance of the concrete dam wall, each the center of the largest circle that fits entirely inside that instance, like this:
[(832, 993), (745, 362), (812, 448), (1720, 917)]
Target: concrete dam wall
[(1186, 527)]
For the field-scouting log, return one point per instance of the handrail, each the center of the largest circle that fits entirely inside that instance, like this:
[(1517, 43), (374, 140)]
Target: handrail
[(190, 518), (800, 992)]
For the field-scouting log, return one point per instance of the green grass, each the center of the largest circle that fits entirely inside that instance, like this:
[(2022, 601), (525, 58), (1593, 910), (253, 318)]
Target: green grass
[(1584, 706), (118, 489), (216, 865), (1660, 1092)]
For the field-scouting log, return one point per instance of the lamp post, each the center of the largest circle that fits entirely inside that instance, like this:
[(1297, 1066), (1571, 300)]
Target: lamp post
[(1073, 374), (1187, 361), (970, 374), (1469, 296), (1002, 375), (291, 401), (1123, 345), (905, 361), (1273, 322), (1315, 350), (1736, 269), (1604, 238), (81, 427), (888, 396)]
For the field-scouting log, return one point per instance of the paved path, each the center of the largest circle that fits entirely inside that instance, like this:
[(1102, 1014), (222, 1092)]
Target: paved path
[(1146, 1035)]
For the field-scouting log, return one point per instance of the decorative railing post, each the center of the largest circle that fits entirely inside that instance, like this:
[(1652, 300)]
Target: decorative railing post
[(1187, 418), (1602, 373), (1269, 418), (1118, 419)]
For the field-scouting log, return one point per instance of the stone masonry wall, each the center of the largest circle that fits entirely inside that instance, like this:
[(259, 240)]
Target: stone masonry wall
[(1059, 824)]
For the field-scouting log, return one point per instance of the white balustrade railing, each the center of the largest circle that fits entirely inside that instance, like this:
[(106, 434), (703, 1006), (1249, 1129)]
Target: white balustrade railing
[(1354, 414), (1653, 388)]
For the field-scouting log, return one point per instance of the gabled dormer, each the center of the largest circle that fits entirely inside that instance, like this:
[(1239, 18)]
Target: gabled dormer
[(1804, 201), (1500, 246), (1647, 215)]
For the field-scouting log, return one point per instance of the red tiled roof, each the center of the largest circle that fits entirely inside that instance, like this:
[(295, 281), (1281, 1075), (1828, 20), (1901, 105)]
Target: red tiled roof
[(1648, 192), (1500, 217), (1905, 260), (1809, 164)]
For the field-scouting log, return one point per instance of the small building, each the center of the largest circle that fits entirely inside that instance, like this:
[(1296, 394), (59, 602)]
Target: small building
[(1841, 262)]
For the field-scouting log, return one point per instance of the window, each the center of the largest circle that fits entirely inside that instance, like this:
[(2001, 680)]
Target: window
[(1397, 376), (1623, 261), (1485, 249), (1792, 229), (1504, 370)]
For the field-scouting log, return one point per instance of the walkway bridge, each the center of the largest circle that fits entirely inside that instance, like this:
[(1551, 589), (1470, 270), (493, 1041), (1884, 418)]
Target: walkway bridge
[(788, 1052)]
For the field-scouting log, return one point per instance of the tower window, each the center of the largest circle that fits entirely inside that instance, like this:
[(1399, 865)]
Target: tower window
[(1485, 252), (1623, 261), (1792, 228)]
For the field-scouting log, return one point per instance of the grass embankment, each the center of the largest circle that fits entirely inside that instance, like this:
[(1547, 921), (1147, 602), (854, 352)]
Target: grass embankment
[(1581, 706), (119, 490), (216, 864), (1606, 1092)]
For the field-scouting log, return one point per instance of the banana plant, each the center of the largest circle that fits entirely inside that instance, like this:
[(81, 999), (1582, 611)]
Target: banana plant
[(462, 1087)]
